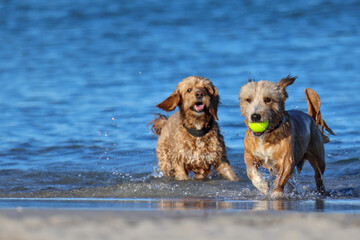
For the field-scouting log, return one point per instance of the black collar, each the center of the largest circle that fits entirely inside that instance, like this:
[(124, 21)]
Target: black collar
[(283, 120), (199, 133)]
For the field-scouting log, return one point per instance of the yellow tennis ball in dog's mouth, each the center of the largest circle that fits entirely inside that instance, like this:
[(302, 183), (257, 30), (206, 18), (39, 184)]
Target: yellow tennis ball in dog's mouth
[(259, 126)]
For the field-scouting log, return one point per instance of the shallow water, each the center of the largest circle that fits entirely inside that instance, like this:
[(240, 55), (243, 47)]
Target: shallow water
[(193, 205), (80, 82)]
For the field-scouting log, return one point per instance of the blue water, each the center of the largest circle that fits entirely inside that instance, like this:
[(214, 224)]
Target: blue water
[(80, 81)]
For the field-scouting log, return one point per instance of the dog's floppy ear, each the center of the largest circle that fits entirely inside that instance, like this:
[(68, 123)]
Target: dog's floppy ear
[(283, 83), (215, 100), (171, 102)]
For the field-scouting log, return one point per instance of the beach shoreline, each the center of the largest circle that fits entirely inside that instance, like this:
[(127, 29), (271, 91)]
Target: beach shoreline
[(107, 224)]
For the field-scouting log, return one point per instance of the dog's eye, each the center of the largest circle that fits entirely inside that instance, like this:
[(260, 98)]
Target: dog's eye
[(248, 100), (189, 90), (267, 100)]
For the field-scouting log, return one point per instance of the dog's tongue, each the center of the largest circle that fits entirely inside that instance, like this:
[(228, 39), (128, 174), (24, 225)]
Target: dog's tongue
[(199, 107)]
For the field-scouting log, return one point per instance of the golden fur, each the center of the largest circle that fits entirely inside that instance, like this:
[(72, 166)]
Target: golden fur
[(178, 152), (291, 137)]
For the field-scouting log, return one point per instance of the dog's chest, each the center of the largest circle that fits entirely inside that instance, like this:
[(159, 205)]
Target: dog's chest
[(198, 153), (266, 155)]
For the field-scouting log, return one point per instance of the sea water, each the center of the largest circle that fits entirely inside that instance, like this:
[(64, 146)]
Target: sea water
[(80, 81)]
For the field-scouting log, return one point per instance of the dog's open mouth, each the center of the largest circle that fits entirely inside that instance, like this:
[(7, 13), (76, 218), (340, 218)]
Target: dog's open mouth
[(199, 107)]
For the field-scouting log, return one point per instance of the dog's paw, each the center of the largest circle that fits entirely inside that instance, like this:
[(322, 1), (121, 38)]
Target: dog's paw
[(263, 186), (277, 195), (181, 177)]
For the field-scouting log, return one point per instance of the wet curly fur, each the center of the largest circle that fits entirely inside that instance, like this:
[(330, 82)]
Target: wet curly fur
[(178, 151)]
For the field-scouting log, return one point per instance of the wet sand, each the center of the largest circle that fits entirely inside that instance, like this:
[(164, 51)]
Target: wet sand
[(17, 224)]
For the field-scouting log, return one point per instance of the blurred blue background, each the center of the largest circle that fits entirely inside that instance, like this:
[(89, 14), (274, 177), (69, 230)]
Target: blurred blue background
[(80, 79)]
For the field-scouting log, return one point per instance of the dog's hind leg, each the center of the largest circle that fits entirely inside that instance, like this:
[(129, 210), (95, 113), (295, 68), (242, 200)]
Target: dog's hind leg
[(317, 161)]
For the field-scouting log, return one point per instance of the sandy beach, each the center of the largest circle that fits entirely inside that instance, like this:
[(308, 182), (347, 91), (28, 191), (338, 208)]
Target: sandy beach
[(18, 224)]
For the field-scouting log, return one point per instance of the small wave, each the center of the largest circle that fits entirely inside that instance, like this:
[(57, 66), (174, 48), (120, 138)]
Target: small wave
[(160, 187), (346, 161)]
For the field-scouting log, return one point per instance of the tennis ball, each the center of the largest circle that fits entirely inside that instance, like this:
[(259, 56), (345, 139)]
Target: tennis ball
[(259, 126)]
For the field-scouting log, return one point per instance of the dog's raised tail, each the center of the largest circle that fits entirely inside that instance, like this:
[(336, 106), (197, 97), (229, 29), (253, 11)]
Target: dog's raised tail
[(314, 103), (158, 123)]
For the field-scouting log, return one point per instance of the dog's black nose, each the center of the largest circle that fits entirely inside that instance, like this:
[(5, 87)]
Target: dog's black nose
[(199, 94), (255, 117)]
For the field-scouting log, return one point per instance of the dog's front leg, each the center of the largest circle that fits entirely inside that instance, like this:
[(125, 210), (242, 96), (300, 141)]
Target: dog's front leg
[(226, 171), (252, 166), (283, 176), (180, 173)]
